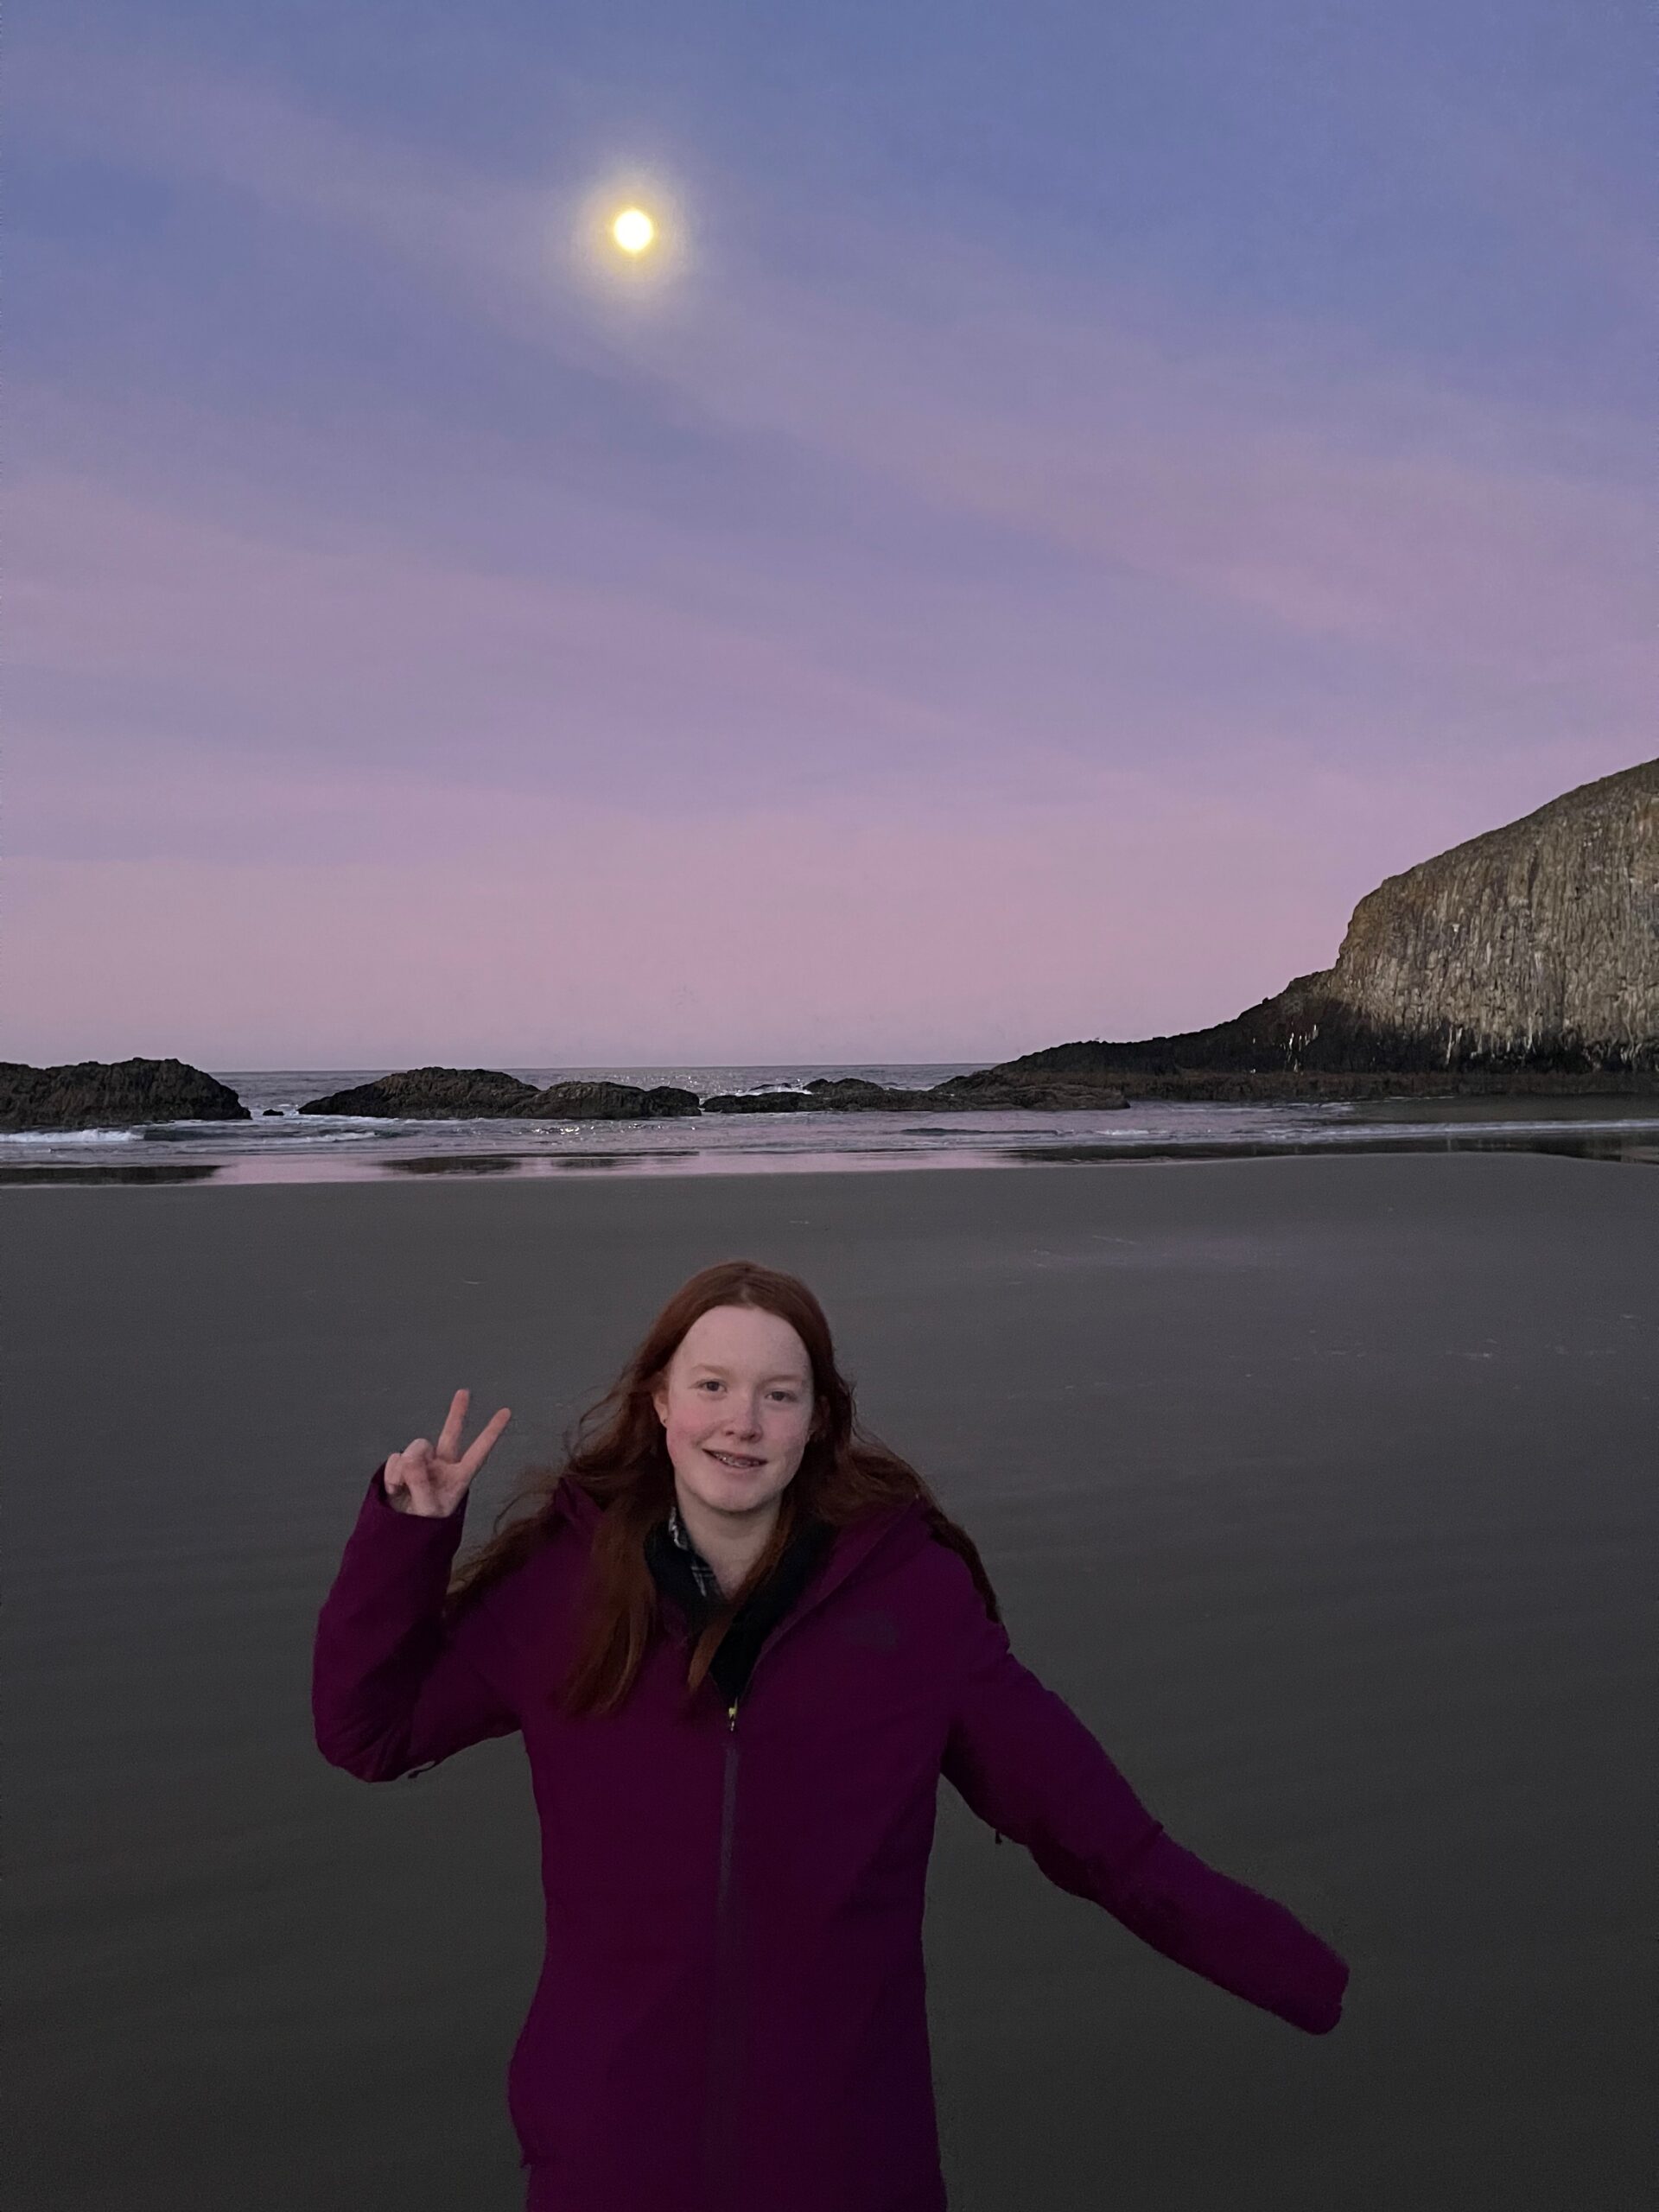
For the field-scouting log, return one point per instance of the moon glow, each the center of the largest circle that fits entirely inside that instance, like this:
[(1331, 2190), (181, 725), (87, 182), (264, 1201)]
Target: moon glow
[(633, 230), (631, 241)]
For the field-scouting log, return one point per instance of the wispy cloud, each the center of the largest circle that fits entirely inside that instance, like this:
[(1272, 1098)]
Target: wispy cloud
[(1354, 527), (355, 644), (1279, 476)]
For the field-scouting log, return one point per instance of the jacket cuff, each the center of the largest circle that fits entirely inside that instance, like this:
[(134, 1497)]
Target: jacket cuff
[(1319, 2008)]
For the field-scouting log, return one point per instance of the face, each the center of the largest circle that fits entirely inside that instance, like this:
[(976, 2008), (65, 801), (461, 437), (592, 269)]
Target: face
[(740, 1385)]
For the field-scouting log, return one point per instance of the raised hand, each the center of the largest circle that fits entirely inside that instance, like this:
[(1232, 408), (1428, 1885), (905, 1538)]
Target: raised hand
[(431, 1480)]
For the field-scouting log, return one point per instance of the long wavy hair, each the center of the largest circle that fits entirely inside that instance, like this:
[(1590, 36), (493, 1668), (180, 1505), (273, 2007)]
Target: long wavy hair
[(618, 1456)]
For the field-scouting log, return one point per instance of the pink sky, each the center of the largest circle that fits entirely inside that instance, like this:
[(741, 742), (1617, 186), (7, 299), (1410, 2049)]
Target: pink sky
[(922, 654)]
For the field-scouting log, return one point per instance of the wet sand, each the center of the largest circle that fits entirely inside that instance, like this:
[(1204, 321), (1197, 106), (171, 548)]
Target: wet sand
[(1322, 1489)]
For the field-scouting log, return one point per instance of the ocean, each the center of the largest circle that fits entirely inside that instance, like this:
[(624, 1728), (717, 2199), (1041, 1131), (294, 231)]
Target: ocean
[(280, 1144)]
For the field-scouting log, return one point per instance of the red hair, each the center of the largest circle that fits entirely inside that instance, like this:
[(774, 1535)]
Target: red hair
[(624, 1466)]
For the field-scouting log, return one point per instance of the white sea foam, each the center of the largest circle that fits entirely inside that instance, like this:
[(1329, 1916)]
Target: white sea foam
[(326, 1136), (68, 1136)]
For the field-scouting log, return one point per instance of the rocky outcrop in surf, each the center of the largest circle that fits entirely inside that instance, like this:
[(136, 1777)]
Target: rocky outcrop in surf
[(431, 1093), (112, 1094), (856, 1094), (1002, 1091), (759, 1102), (435, 1094), (987, 1091), (613, 1102)]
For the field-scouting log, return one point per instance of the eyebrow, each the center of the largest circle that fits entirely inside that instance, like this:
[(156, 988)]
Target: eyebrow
[(703, 1367)]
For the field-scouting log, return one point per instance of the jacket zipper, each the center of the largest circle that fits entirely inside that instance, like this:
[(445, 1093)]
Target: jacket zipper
[(722, 2041), (725, 1996)]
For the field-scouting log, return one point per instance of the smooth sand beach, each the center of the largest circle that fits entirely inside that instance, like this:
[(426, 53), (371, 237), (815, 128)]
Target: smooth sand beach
[(1322, 1488)]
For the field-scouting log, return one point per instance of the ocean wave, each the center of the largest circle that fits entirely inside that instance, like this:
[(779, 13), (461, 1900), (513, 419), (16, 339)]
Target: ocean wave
[(366, 1120)]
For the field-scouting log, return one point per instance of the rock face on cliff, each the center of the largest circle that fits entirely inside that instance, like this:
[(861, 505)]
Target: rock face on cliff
[(1530, 953), (112, 1094), (1536, 942)]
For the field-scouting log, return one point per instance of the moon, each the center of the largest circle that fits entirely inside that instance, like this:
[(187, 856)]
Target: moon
[(633, 230)]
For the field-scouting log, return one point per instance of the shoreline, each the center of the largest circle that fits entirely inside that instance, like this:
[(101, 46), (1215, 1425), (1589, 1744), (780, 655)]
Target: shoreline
[(1609, 1144), (608, 1100)]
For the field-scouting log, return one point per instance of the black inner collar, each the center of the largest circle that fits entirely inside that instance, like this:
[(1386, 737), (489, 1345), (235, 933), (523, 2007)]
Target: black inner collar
[(760, 1613)]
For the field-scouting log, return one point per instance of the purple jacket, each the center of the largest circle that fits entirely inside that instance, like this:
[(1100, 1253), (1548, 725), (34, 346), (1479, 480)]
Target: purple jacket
[(731, 2015)]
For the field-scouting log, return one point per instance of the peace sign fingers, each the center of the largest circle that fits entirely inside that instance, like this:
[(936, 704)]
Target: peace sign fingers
[(467, 1465), (422, 1480), (484, 1443), (450, 1442)]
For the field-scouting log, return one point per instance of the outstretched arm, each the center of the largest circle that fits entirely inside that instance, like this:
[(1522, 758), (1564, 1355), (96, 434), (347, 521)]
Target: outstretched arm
[(1027, 1766), (392, 1688)]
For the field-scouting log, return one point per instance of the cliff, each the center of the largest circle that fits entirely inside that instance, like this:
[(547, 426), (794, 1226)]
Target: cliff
[(112, 1094), (1536, 943), (1527, 957)]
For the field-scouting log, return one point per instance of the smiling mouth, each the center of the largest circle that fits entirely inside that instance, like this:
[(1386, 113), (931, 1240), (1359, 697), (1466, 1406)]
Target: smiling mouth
[(733, 1460)]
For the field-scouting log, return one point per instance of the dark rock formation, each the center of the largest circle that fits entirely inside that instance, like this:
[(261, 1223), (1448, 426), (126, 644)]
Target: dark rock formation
[(991, 1088), (765, 1102), (112, 1094), (854, 1093), (983, 1091), (433, 1095), (611, 1102), (478, 1094), (1525, 959)]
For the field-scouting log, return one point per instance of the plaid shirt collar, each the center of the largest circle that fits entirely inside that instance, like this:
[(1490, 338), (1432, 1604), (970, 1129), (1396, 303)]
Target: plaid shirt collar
[(706, 1580)]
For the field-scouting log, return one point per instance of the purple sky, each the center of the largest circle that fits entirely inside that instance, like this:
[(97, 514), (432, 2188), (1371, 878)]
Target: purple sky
[(1078, 501)]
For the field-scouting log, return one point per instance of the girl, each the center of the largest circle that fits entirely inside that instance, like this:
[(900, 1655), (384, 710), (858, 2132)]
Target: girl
[(742, 1641)]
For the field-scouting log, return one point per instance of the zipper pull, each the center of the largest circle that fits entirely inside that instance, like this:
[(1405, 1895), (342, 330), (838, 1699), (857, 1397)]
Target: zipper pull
[(731, 1716)]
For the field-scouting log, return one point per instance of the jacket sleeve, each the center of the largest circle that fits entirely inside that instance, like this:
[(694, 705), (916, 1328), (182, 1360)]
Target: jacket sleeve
[(391, 1687), (1027, 1766)]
